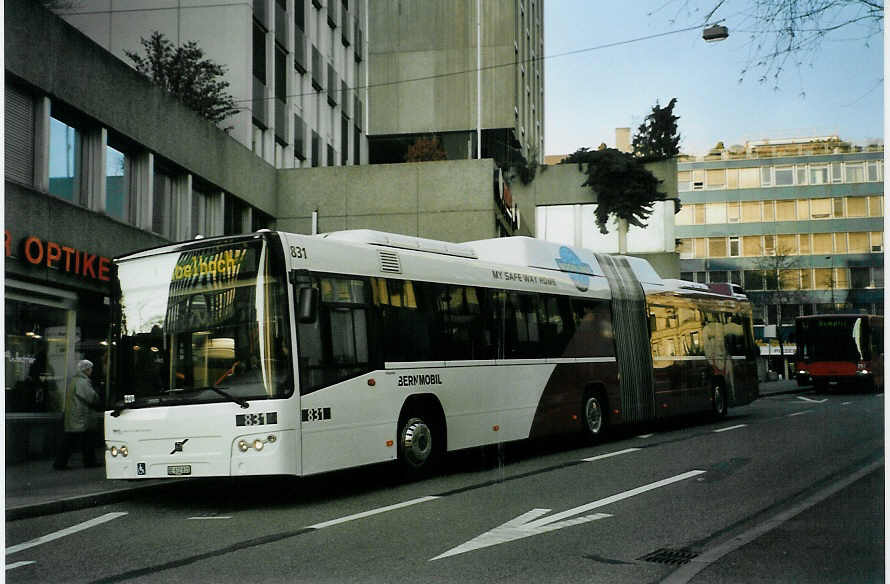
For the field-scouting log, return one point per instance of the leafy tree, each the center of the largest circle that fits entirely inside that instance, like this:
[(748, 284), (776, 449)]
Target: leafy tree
[(424, 149), (184, 72), (657, 137), (623, 186)]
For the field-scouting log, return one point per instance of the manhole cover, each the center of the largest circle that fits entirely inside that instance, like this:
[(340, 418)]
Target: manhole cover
[(668, 556)]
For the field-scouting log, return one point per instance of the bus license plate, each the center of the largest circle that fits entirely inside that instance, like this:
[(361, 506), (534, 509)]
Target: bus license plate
[(179, 470)]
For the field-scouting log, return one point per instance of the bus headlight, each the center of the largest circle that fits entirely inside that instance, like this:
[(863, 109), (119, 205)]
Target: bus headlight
[(258, 444), (243, 446), (116, 450)]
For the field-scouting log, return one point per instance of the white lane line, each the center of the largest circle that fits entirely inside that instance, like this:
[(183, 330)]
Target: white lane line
[(212, 517), (645, 435), (731, 428), (799, 413), (610, 454), (19, 565), (689, 571), (846, 403), (377, 511), (63, 532), (814, 401)]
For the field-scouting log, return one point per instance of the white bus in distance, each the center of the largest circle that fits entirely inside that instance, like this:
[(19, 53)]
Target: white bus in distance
[(276, 353)]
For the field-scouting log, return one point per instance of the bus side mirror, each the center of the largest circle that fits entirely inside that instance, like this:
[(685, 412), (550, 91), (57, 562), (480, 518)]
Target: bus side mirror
[(307, 305)]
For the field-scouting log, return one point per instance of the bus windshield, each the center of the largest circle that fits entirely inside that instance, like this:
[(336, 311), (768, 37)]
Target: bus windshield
[(201, 325), (833, 339)]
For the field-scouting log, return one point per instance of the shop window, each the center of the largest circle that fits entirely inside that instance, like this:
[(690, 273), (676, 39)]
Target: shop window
[(37, 357), (65, 155)]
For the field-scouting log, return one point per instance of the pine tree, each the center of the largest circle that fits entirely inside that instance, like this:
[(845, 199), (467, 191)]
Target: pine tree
[(657, 137), (185, 73)]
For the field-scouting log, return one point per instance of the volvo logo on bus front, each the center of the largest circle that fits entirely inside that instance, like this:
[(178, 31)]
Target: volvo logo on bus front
[(568, 261), (177, 446)]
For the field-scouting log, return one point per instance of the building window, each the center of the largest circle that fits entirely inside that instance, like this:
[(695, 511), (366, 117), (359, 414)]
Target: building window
[(717, 247), (769, 245), (732, 178), (803, 209), (19, 135), (872, 170), (836, 172), (65, 152), (805, 246), (699, 211), (163, 215), (838, 206), (686, 250), (299, 138), (766, 173), (877, 241), (701, 247), (734, 246), (787, 245), (784, 176), (753, 280), (801, 175), (875, 206), (685, 215), (840, 242), (819, 174), (857, 242), (855, 172), (684, 181), (860, 278), (233, 220), (856, 206), (823, 243), (786, 210), (732, 212), (820, 208), (117, 191), (716, 178), (749, 178), (751, 212), (716, 213), (751, 246)]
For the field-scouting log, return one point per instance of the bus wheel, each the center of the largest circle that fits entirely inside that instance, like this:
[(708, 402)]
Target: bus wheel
[(594, 416), (718, 400), (416, 443)]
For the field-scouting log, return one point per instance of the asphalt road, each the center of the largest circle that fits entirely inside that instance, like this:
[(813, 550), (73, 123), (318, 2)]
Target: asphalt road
[(787, 489)]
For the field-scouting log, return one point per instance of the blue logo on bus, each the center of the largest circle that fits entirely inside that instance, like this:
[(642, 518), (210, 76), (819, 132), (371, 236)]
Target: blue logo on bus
[(568, 261)]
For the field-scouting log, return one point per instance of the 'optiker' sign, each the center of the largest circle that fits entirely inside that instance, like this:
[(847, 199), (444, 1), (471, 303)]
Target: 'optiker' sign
[(61, 257)]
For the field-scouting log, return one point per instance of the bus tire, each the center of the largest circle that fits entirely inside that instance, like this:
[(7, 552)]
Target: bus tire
[(593, 416), (718, 400), (418, 445)]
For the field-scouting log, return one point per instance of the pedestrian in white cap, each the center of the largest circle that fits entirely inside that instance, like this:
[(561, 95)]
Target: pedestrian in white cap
[(80, 402)]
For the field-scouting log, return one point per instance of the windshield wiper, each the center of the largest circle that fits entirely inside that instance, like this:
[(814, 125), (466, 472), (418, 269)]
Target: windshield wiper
[(241, 402)]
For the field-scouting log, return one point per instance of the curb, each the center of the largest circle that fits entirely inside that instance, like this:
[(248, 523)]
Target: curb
[(77, 502)]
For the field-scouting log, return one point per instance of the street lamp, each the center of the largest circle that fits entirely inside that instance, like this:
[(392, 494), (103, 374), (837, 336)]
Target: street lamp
[(715, 33)]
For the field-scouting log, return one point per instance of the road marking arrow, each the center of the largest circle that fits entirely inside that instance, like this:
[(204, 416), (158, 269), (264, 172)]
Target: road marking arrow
[(532, 522)]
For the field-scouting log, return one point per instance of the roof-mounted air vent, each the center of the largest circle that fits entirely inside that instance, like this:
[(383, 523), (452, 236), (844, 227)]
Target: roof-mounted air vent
[(389, 262)]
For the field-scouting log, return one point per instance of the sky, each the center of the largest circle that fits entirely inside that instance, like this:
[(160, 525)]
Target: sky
[(588, 95)]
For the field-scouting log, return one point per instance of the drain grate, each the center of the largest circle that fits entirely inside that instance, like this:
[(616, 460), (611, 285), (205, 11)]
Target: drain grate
[(668, 556)]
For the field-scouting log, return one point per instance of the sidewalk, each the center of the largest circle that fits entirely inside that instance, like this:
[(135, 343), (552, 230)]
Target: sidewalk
[(34, 488)]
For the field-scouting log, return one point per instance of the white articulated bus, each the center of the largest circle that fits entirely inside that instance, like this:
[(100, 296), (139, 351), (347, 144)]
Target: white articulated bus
[(278, 353)]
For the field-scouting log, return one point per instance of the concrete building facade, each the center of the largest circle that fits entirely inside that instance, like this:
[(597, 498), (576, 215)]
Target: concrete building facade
[(798, 222), (296, 68), (423, 57)]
